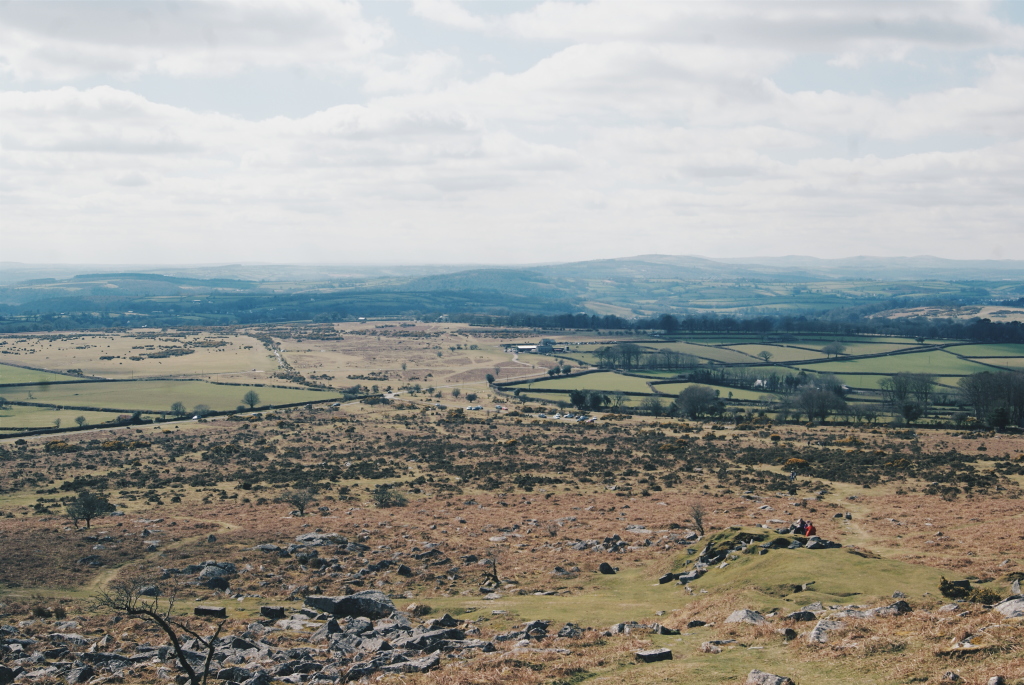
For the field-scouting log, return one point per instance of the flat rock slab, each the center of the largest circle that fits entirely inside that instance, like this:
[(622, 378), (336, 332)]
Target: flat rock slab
[(650, 655), (821, 631), (746, 616), (211, 612), (895, 609), (757, 677), (1011, 607), (414, 666), (801, 616), (272, 612), (368, 603)]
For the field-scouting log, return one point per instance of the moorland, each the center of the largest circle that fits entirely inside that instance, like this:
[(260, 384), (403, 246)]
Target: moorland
[(417, 500)]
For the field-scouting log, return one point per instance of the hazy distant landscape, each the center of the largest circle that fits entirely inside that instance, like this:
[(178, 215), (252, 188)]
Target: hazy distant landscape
[(544, 342), (645, 286)]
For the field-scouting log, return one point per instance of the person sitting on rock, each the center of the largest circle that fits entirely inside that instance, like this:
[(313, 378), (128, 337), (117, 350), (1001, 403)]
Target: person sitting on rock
[(810, 530), (800, 526)]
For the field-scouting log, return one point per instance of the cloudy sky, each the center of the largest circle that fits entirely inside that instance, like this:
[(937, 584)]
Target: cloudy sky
[(329, 131)]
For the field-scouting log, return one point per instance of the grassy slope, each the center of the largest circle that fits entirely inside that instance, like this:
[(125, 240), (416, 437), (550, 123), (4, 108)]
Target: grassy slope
[(606, 382), (16, 374), (935, 362), (155, 395)]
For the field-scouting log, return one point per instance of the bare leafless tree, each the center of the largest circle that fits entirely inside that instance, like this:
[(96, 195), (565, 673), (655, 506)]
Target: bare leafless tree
[(126, 596), (696, 514)]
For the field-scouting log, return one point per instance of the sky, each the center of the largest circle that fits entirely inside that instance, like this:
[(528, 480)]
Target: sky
[(434, 131)]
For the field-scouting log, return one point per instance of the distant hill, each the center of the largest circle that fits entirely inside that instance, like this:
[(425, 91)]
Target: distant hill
[(629, 287), (892, 268)]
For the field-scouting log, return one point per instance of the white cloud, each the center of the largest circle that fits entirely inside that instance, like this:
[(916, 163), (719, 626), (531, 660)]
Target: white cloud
[(643, 127), (450, 13), (56, 41)]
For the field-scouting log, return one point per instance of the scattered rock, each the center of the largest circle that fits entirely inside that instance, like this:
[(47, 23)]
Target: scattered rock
[(997, 680), (800, 616), (709, 648), (695, 623), (821, 629), (211, 612), (1011, 607), (757, 677), (571, 630), (414, 666), (368, 603), (787, 633), (80, 674), (667, 578), (895, 609), (272, 612), (319, 539), (606, 569), (221, 584), (651, 655), (746, 616)]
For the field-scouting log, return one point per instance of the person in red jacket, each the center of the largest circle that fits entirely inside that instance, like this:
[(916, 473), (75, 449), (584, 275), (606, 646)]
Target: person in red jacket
[(810, 530)]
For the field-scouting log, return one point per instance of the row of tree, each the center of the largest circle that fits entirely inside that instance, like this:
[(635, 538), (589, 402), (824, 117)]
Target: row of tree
[(838, 323), (629, 356)]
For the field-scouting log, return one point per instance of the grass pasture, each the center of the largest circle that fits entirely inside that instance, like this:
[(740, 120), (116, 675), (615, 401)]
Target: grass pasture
[(602, 381), (674, 389), (780, 353), (1007, 350), (128, 355), (17, 374), (1012, 363), (718, 354), (20, 416), (935, 362), (627, 401), (155, 396)]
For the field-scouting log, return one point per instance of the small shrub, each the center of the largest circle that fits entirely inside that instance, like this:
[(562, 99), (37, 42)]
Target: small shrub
[(954, 590), (384, 498), (984, 596), (39, 611)]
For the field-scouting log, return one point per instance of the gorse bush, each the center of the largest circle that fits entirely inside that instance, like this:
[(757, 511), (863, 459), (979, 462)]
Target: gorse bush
[(384, 498)]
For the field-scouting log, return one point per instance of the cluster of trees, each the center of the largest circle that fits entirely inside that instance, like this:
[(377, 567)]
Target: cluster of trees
[(563, 369), (837, 323), (631, 356), (589, 400), (908, 394), (997, 397)]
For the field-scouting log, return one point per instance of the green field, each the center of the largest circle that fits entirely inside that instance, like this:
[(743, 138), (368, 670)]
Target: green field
[(718, 354), (1007, 350), (865, 347), (17, 416), (16, 374), (604, 382), (738, 394), (129, 396), (627, 400), (935, 361), (780, 353), (1001, 362)]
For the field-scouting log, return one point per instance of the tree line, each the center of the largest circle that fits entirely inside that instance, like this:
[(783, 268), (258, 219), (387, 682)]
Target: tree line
[(975, 330)]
